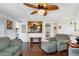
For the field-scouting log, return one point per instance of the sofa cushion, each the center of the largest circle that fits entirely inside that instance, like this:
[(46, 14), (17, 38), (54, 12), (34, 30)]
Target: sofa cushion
[(4, 42), (7, 53), (15, 42), (12, 49), (49, 47)]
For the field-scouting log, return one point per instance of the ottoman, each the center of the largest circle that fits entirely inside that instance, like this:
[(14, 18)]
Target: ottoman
[(49, 47)]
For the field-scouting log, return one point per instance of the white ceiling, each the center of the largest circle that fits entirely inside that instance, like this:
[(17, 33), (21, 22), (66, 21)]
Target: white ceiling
[(22, 13)]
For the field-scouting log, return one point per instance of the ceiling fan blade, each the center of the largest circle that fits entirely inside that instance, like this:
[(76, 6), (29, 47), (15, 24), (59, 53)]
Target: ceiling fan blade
[(52, 7), (34, 12), (45, 13), (30, 5)]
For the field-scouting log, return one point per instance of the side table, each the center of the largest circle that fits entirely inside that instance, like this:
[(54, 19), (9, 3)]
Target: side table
[(73, 49)]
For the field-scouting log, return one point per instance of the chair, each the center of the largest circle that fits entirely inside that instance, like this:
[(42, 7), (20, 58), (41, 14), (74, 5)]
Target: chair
[(62, 42), (57, 43)]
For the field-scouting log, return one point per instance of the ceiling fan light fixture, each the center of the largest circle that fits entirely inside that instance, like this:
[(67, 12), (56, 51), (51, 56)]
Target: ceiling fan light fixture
[(41, 11), (43, 8)]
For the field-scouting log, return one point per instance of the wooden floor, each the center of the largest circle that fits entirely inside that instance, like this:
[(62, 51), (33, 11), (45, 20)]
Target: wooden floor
[(35, 50)]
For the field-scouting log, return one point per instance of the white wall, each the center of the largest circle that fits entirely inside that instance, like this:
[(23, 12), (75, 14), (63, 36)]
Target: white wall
[(42, 35), (66, 28), (26, 36), (8, 32), (2, 30), (23, 35)]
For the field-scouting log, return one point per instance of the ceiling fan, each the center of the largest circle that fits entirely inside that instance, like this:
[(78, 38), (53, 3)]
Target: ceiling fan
[(43, 8)]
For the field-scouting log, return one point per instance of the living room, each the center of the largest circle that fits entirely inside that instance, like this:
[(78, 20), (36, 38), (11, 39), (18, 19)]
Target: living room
[(17, 23)]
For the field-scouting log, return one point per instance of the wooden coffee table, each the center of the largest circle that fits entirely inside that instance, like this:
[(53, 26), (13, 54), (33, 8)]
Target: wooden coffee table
[(74, 45)]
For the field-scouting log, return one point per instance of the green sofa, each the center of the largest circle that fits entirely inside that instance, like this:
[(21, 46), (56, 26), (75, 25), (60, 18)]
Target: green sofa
[(10, 47)]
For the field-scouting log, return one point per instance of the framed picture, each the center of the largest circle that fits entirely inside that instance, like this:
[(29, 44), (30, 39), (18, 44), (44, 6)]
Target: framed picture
[(23, 28), (34, 27), (9, 24)]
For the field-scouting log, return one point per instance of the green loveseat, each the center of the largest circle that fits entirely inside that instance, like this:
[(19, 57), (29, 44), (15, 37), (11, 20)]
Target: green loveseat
[(10, 47)]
